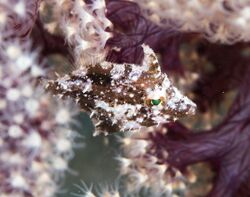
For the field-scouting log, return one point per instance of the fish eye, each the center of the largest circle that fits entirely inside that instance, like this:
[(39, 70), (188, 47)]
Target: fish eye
[(155, 101)]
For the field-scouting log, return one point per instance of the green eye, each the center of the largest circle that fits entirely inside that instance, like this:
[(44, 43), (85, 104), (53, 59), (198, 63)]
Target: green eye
[(155, 101)]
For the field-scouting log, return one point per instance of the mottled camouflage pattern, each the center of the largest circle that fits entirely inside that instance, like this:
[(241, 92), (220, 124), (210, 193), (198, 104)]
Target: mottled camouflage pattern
[(119, 96)]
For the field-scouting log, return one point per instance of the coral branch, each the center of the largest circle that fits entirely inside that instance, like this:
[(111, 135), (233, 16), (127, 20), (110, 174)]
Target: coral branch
[(134, 30), (226, 75), (226, 147), (186, 149)]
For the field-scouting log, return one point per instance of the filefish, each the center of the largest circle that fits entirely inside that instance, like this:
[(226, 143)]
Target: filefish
[(124, 97)]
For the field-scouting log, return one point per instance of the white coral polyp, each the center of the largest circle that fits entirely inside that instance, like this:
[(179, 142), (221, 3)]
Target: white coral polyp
[(20, 9), (13, 94), (18, 181), (15, 131), (33, 141)]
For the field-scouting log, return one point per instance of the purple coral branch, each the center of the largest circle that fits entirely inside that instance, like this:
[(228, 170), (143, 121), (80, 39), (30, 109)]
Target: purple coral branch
[(226, 147), (133, 29), (229, 67)]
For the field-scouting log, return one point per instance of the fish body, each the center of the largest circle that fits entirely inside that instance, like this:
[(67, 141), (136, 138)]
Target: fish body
[(124, 97)]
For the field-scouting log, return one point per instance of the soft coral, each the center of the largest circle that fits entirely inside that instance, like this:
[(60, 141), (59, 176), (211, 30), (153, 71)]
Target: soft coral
[(226, 147)]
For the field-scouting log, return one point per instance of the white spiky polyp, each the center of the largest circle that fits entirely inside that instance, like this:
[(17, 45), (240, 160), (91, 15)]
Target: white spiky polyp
[(104, 191)]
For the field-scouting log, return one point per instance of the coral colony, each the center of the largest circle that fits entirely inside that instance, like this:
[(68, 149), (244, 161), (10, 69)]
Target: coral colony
[(36, 141), (129, 56)]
